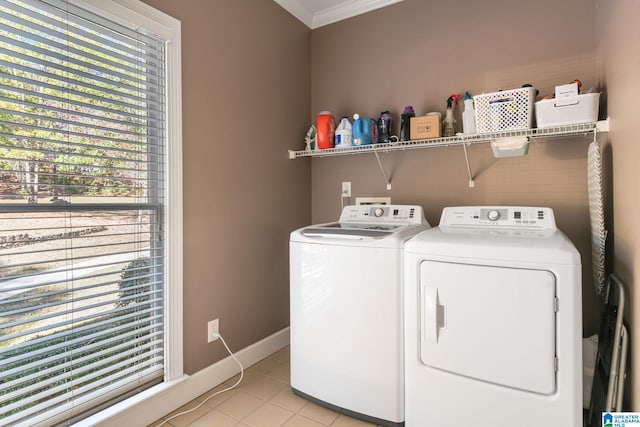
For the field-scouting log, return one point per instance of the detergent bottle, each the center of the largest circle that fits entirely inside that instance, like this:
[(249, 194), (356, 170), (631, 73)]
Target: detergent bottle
[(344, 133), (325, 129), (365, 130)]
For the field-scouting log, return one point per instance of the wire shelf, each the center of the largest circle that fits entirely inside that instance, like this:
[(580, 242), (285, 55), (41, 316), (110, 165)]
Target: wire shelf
[(550, 132)]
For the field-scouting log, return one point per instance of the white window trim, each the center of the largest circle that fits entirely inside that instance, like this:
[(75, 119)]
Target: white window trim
[(169, 28)]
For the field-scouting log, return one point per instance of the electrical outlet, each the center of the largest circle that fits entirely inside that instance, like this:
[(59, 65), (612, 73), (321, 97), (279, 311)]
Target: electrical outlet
[(213, 330), (346, 189)]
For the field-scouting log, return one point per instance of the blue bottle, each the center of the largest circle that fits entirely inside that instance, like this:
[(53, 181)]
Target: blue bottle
[(365, 130)]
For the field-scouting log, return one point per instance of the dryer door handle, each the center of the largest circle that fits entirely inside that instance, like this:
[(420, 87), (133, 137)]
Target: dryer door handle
[(432, 314)]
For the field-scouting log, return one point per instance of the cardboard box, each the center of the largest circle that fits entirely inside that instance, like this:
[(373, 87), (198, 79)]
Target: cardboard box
[(424, 127)]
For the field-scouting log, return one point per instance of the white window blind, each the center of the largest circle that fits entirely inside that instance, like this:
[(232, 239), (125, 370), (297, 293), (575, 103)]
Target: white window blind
[(82, 211)]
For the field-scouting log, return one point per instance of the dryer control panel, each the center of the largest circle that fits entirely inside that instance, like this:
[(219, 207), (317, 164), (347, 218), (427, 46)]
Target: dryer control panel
[(499, 217)]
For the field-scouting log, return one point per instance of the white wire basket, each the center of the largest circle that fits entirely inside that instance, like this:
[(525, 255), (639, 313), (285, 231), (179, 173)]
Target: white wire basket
[(504, 110)]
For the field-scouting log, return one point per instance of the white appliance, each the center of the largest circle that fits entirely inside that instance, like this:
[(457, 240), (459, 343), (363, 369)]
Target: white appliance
[(493, 321), (346, 311)]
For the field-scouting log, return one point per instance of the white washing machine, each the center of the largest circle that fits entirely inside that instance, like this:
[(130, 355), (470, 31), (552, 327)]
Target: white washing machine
[(493, 321), (346, 311)]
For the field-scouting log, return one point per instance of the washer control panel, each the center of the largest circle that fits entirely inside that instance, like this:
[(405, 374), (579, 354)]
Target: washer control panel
[(499, 216), (402, 214)]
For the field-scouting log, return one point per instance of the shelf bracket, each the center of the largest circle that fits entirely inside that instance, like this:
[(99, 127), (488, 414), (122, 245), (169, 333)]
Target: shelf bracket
[(601, 126), (466, 157), (386, 179)]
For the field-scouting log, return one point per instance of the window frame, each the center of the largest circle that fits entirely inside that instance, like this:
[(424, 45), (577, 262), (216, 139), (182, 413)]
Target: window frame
[(139, 14)]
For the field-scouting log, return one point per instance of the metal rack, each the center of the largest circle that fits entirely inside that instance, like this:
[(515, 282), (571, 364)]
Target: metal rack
[(460, 139)]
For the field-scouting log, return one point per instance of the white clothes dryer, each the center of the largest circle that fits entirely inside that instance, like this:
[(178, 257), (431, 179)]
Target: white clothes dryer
[(346, 311), (493, 321)]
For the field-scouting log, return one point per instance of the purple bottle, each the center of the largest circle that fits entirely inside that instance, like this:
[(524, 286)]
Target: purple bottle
[(405, 123), (384, 126)]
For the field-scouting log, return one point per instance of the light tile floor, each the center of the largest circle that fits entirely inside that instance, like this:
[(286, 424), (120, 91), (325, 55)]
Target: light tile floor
[(262, 399)]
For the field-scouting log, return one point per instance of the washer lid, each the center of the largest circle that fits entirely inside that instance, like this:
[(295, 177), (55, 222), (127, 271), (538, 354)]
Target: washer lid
[(382, 225), (349, 230)]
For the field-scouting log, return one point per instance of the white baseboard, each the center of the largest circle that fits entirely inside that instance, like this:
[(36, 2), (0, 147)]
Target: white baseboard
[(153, 404)]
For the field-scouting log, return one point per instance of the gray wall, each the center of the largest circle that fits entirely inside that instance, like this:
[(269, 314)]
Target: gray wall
[(418, 53), (246, 97), (619, 67)]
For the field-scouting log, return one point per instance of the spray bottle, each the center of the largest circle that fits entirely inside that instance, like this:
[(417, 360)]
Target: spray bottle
[(468, 115), (448, 124)]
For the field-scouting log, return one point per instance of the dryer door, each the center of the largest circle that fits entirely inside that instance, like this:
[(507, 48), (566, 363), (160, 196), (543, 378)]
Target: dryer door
[(493, 324)]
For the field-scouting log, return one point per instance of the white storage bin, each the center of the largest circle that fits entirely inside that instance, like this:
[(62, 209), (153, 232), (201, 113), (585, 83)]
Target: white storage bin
[(567, 111), (510, 146), (504, 110)]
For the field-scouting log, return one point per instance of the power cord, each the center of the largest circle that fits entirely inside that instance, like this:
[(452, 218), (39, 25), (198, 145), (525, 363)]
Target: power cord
[(342, 201), (216, 393)]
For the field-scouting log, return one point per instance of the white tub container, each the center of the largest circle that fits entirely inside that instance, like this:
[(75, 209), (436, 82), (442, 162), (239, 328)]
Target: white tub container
[(567, 111)]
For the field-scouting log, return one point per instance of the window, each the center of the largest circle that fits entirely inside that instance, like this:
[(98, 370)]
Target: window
[(90, 205)]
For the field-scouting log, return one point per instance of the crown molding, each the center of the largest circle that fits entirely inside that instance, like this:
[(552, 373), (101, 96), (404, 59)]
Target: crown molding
[(296, 8), (319, 18), (347, 9)]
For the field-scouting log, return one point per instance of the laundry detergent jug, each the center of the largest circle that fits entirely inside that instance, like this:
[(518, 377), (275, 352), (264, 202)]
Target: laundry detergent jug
[(365, 130), (325, 130)]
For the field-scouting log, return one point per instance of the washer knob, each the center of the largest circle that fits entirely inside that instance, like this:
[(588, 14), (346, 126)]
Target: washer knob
[(378, 212), (493, 215)]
